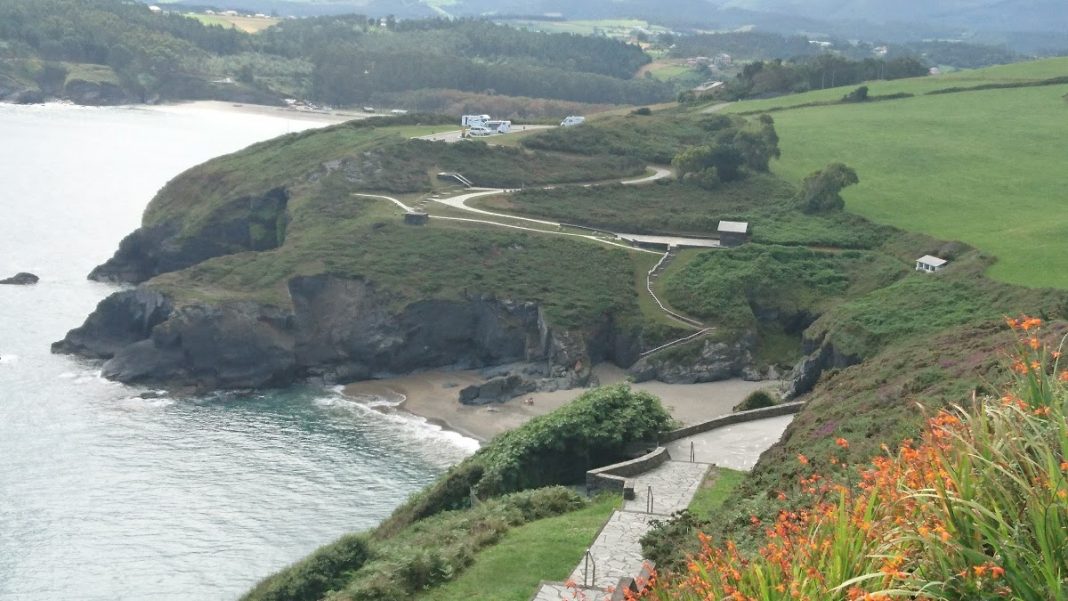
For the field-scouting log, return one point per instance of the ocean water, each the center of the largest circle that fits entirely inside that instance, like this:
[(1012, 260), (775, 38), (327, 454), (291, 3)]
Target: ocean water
[(108, 496)]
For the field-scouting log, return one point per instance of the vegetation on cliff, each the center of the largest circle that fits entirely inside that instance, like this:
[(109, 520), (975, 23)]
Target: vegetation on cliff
[(976, 507), (435, 536)]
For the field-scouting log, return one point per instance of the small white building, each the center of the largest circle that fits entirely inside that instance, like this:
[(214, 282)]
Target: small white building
[(930, 264), (398, 112), (733, 233), (155, 9)]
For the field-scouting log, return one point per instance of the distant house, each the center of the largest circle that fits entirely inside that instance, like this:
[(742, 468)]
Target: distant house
[(930, 264), (722, 60), (733, 233), (155, 9)]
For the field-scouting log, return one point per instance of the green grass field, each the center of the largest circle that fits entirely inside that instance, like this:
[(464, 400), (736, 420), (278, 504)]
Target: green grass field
[(246, 24), (985, 167), (547, 549), (718, 485)]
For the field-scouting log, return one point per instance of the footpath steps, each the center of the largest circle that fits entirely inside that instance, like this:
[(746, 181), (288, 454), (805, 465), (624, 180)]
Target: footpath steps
[(616, 552)]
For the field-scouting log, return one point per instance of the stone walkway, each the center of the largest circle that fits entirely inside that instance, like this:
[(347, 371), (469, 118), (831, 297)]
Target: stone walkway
[(616, 552), (737, 446)]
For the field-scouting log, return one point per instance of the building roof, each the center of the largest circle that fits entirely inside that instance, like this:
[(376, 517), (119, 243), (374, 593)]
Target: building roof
[(932, 261), (733, 227)]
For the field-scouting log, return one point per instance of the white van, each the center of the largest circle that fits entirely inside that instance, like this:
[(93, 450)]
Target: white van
[(480, 131), (572, 120)]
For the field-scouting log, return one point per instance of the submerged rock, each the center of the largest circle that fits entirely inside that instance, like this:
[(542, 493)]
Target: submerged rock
[(23, 278)]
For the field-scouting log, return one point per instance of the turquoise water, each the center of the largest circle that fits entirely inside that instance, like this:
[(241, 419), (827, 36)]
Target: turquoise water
[(108, 496)]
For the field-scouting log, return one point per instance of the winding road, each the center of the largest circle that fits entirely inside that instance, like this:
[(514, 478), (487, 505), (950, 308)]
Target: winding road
[(622, 240)]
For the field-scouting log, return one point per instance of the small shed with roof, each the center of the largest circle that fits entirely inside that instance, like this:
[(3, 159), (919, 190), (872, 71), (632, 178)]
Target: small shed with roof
[(733, 233), (930, 263)]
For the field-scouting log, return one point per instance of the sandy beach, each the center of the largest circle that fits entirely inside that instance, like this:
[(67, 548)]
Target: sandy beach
[(434, 396), (325, 117)]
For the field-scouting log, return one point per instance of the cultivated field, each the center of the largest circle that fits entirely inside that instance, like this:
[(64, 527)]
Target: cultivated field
[(247, 24), (986, 167)]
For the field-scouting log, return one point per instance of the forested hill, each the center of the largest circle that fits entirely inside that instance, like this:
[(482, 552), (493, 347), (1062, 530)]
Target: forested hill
[(112, 51)]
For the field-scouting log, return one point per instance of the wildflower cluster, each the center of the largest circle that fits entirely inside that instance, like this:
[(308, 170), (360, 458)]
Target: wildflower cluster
[(975, 508)]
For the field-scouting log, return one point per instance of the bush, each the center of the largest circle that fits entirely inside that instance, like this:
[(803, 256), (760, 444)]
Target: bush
[(593, 430), (311, 578), (758, 399), (643, 111)]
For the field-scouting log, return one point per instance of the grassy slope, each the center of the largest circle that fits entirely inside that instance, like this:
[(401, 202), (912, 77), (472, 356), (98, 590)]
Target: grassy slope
[(543, 550), (714, 491), (985, 167)]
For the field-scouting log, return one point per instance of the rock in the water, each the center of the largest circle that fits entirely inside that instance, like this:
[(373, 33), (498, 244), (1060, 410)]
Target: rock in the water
[(21, 279)]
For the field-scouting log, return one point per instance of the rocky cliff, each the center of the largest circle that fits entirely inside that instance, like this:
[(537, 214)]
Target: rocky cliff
[(255, 222), (338, 329)]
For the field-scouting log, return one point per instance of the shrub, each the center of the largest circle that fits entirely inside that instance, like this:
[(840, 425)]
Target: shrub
[(758, 399), (311, 578), (593, 430)]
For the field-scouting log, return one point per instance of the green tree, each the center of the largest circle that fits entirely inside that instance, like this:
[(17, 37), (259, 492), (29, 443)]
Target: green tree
[(821, 190)]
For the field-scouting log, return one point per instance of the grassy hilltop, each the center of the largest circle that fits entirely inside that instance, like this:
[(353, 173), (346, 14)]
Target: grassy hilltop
[(983, 166), (832, 286)]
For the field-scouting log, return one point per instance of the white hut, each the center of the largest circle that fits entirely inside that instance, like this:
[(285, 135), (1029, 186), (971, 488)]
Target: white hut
[(930, 263)]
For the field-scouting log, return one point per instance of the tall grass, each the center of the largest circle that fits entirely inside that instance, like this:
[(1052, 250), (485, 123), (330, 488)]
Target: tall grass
[(975, 508)]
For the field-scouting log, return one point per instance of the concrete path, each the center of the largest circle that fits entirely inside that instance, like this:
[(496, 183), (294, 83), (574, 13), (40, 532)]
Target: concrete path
[(736, 447), (659, 173), (451, 137), (616, 552)]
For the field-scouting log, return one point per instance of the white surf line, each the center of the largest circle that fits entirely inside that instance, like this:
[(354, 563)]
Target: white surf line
[(661, 173)]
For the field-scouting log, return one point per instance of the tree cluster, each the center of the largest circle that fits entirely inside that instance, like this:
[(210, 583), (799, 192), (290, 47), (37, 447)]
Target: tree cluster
[(735, 149), (773, 78), (349, 59), (821, 190)]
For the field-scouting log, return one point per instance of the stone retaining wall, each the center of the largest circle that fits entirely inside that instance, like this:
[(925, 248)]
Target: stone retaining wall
[(614, 477), (730, 419)]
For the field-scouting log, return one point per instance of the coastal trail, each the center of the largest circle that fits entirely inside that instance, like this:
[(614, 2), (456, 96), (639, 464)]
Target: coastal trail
[(628, 241), (615, 555)]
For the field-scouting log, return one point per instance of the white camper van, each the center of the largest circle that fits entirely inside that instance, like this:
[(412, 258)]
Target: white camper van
[(501, 127), (572, 120), (474, 120)]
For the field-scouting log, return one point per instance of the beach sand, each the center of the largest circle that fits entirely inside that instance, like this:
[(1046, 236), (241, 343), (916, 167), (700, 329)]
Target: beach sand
[(216, 106), (434, 395)]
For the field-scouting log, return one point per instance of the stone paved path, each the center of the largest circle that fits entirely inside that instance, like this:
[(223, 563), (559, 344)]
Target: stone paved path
[(737, 447), (674, 485), (616, 550)]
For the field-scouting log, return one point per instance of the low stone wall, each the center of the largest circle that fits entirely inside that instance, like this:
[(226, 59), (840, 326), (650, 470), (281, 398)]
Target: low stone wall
[(730, 419), (614, 477)]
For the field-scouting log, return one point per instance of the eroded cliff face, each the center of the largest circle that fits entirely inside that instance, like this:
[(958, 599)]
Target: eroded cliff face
[(243, 224), (820, 355), (338, 329)]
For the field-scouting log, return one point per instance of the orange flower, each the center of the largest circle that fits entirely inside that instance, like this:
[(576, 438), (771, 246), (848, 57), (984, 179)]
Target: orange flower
[(802, 459), (842, 443), (1034, 343), (997, 572), (1064, 376)]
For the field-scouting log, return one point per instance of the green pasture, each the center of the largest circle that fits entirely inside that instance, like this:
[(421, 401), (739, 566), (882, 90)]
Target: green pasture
[(985, 167)]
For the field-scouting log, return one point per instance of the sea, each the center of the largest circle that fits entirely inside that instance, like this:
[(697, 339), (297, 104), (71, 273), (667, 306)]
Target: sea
[(105, 495)]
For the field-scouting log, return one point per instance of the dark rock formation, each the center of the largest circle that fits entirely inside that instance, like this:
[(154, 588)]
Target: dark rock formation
[(22, 278), (820, 355), (339, 330), (496, 390), (716, 360), (95, 93), (119, 320), (252, 223), (236, 345)]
